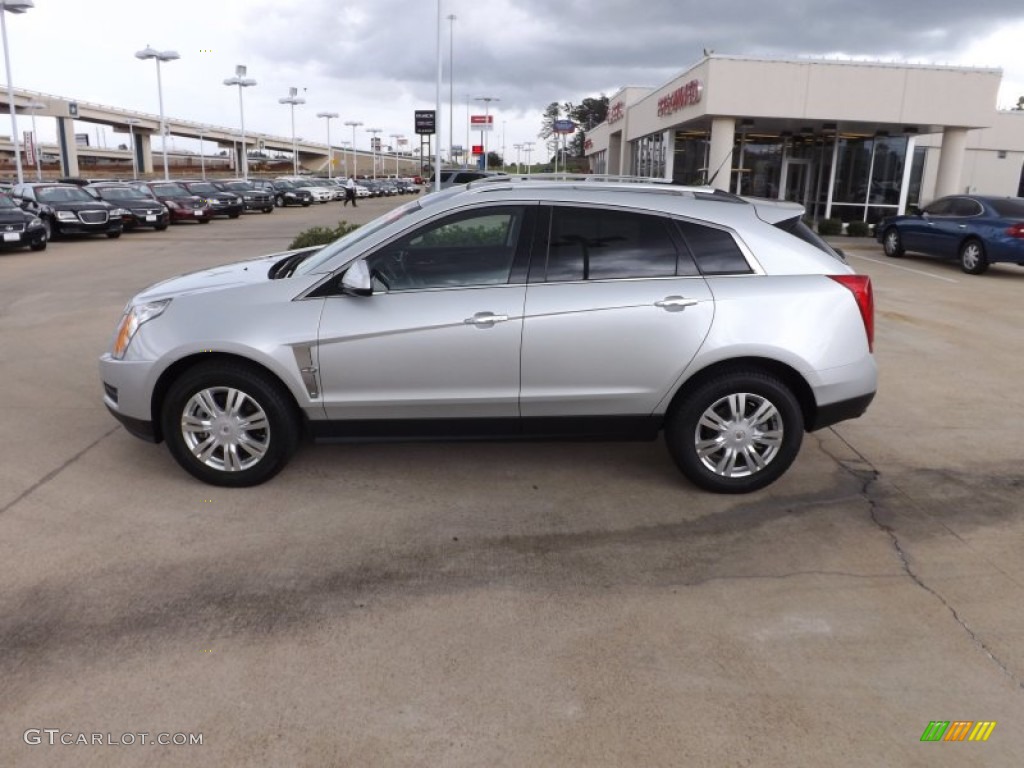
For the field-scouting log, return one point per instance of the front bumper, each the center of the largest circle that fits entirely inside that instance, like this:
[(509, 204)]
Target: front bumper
[(22, 239), (127, 393), (191, 214)]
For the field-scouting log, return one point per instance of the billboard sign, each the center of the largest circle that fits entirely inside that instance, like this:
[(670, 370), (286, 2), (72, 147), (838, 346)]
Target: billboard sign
[(481, 122), (425, 121), (30, 147)]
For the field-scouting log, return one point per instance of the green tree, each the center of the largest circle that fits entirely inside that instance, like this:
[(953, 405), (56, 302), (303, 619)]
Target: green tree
[(1020, 104)]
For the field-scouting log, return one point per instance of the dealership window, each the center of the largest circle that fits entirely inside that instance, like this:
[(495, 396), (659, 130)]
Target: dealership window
[(649, 156), (868, 177), (690, 162), (599, 162)]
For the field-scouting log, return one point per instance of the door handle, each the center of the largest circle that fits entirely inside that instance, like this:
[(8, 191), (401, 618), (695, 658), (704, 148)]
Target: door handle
[(485, 318), (963, 226), (675, 302)]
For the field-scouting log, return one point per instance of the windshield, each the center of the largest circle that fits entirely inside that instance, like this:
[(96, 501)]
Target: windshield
[(238, 186), (121, 193), (203, 188), (171, 190), (329, 251), (63, 194), (6, 202)]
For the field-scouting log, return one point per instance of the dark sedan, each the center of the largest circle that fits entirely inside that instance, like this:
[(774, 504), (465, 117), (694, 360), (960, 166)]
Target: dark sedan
[(20, 228), (66, 209), (182, 204), (977, 230), (223, 203), (253, 199), (139, 209), (289, 193)]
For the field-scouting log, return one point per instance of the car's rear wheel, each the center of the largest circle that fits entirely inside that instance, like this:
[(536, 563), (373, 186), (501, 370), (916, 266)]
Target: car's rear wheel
[(736, 433), (973, 260), (891, 243), (229, 425), (279, 201), (39, 246)]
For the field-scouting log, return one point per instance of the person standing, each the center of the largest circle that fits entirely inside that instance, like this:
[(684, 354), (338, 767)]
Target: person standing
[(350, 192)]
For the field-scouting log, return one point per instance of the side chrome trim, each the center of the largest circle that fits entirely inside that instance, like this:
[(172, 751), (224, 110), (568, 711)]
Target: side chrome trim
[(307, 370)]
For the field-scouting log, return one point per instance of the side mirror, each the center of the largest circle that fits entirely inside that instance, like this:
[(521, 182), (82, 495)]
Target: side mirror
[(356, 281)]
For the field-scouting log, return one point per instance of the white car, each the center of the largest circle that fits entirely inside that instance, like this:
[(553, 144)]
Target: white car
[(320, 194)]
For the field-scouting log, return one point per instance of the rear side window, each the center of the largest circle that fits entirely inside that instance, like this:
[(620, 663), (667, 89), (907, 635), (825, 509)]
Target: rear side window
[(590, 244), (964, 206), (798, 229), (714, 250)]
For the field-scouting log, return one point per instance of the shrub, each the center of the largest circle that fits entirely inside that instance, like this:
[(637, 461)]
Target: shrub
[(858, 229), (830, 227), (322, 235)]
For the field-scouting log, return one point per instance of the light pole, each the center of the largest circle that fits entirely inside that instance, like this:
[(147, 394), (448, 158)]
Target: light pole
[(293, 99), (344, 156), (132, 122), (355, 165), (242, 82), (373, 148), (12, 6), (202, 155), (330, 154), (151, 53), (451, 85), (34, 106), (487, 121), (528, 149), (394, 139), (518, 148)]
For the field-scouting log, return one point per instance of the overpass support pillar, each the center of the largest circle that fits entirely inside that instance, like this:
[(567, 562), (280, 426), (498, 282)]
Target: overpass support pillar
[(66, 143)]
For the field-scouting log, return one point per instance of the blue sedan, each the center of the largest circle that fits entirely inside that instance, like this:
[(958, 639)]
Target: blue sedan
[(976, 230)]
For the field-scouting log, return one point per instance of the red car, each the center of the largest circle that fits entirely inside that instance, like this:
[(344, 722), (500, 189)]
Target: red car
[(182, 204)]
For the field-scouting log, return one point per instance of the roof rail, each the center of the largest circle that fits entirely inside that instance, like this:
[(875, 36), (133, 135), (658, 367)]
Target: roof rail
[(585, 177)]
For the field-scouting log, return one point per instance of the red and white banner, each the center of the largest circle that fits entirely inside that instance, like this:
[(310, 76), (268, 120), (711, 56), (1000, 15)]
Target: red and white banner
[(481, 122), (28, 140)]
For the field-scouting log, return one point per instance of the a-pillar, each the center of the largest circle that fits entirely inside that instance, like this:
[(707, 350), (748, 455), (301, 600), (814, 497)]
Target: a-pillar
[(723, 137), (951, 161), (144, 148), (68, 148)]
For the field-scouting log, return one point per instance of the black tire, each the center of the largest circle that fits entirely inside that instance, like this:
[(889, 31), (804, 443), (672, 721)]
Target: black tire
[(305, 203), (204, 221), (973, 260), (279, 201), (278, 440), (268, 210), (51, 231), (159, 227), (113, 235), (234, 215), (892, 243), (733, 399), (40, 246)]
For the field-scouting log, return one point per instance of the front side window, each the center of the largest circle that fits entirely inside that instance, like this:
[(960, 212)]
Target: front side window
[(594, 244), (465, 249), (943, 207)]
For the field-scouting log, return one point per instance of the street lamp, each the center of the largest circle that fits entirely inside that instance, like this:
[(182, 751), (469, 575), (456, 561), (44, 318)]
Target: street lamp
[(202, 154), (151, 53), (355, 166), (330, 154), (293, 99), (132, 122), (12, 6), (36, 105), (373, 147), (242, 82), (487, 121), (528, 149), (344, 157), (451, 84), (518, 148), (394, 145)]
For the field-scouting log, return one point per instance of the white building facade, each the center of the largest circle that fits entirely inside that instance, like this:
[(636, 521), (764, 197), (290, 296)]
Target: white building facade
[(848, 140)]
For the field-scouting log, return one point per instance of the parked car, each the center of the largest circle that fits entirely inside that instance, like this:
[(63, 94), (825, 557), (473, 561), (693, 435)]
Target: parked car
[(222, 203), (182, 204), (320, 193), (20, 228), (253, 199), (464, 176), (978, 230), (139, 209), (288, 193), (67, 209), (535, 309)]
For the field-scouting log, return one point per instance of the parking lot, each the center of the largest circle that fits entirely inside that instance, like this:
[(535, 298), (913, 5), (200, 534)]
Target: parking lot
[(510, 604)]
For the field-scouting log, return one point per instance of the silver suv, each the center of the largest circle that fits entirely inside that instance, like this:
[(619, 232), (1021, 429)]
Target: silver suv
[(511, 309)]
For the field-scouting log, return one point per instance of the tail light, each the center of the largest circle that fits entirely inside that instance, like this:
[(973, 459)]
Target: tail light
[(1016, 230), (860, 287)]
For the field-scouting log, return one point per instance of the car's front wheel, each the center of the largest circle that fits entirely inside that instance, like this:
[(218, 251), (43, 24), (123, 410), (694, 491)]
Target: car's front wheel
[(973, 260), (891, 243), (229, 425), (736, 433), (113, 235), (279, 201)]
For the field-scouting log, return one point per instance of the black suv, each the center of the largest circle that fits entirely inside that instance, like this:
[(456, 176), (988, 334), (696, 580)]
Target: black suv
[(67, 209), (140, 209), (253, 199), (223, 203), (20, 228)]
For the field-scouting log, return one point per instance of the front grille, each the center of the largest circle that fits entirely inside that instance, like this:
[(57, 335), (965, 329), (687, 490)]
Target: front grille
[(93, 217), (14, 227)]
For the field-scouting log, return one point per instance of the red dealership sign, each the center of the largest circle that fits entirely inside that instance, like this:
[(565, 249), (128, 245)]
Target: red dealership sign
[(481, 122), (683, 96), (616, 112)]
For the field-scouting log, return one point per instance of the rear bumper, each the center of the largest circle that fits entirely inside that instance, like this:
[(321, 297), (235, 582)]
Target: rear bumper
[(833, 413)]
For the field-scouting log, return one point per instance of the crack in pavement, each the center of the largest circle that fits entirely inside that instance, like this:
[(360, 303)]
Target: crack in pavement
[(869, 477), (54, 472)]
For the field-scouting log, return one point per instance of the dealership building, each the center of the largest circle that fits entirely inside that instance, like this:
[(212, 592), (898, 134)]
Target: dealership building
[(847, 139)]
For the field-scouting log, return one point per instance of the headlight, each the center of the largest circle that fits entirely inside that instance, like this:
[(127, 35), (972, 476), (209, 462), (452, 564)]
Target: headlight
[(120, 212), (238, 200), (36, 222), (67, 216), (134, 317)]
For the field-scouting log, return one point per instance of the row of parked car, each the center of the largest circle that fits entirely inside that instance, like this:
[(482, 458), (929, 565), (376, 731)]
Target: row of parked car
[(33, 213)]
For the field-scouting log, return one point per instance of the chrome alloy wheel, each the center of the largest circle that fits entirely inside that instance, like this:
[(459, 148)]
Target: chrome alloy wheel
[(971, 256), (892, 242), (739, 435), (225, 429)]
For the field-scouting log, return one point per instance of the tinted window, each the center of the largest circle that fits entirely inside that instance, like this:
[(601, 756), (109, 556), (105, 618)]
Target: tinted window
[(714, 250), (964, 206), (941, 207), (797, 228), (1010, 208), (590, 244), (465, 249), (6, 202)]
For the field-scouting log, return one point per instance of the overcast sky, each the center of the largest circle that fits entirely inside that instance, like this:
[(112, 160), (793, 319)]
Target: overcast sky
[(375, 61)]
